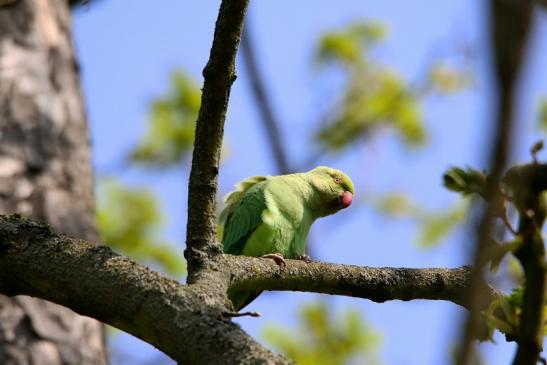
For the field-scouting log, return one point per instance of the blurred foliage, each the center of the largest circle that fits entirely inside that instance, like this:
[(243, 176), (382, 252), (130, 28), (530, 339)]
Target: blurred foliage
[(497, 252), (504, 313), (466, 181), (129, 220), (515, 271), (433, 226), (171, 126), (350, 45), (446, 78), (513, 194), (326, 338), (374, 95)]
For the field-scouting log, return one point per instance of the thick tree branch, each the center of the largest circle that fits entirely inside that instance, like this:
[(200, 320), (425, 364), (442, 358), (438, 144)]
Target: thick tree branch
[(185, 322), (376, 284), (219, 74), (97, 282)]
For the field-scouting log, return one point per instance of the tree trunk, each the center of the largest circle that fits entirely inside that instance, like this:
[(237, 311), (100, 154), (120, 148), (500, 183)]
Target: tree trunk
[(45, 173)]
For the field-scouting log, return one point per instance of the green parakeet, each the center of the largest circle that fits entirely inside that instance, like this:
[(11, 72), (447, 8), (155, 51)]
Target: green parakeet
[(270, 216)]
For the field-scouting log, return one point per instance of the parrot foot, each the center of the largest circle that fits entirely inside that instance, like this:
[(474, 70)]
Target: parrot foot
[(304, 258), (277, 257)]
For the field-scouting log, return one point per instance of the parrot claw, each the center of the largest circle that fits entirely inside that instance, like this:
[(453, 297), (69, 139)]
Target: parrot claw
[(277, 257), (304, 258)]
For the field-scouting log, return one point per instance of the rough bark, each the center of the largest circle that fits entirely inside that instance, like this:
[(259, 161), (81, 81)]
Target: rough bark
[(375, 284), (219, 74), (188, 322), (45, 172)]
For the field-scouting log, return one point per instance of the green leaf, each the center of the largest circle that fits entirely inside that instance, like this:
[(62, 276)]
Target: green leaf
[(466, 181), (504, 313)]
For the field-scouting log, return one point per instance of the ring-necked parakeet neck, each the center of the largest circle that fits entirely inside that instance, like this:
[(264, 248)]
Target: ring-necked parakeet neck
[(272, 215)]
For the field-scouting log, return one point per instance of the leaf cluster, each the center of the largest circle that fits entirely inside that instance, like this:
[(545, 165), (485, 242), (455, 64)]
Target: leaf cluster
[(504, 313), (374, 95), (522, 187)]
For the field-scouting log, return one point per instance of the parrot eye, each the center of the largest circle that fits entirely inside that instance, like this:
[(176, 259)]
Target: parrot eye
[(337, 180)]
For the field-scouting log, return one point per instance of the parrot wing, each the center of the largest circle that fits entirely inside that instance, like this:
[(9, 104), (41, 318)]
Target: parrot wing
[(243, 214)]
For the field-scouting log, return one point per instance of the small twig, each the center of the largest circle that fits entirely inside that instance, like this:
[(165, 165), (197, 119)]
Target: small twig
[(538, 146), (241, 314), (508, 224)]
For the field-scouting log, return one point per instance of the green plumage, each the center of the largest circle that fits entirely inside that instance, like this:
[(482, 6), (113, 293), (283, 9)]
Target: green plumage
[(273, 214)]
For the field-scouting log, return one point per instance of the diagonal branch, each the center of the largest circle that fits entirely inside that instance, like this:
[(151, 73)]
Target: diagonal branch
[(269, 120), (376, 284), (219, 74)]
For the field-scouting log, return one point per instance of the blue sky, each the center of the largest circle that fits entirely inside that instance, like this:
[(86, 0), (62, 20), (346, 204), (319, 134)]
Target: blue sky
[(127, 50)]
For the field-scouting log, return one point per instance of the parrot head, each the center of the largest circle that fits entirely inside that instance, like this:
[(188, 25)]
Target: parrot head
[(334, 189)]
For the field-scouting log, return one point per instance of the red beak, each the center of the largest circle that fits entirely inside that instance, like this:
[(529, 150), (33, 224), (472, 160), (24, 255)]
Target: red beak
[(345, 199)]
